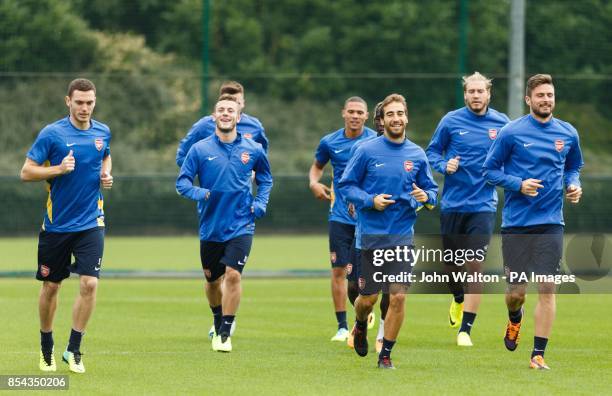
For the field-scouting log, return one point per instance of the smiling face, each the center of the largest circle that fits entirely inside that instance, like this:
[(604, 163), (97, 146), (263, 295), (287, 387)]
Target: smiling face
[(477, 96), (226, 115), (81, 105), (395, 119), (355, 115), (541, 101)]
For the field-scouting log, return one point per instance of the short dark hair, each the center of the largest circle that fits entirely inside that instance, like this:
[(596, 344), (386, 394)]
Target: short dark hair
[(357, 99), (80, 84), (231, 88), (393, 98), (378, 110), (537, 80)]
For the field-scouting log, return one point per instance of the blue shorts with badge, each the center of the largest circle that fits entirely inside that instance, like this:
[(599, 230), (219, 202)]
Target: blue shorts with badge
[(56, 248), (341, 242), (215, 256)]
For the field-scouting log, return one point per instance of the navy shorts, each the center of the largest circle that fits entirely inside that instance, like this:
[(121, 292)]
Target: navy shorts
[(379, 274), (56, 248), (466, 230), (215, 256), (341, 240), (534, 249)]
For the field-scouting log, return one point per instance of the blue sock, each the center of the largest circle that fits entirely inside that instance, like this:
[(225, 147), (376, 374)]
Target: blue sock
[(341, 318), (74, 344), (217, 316), (539, 346), (467, 322), (516, 316), (226, 325), (386, 349), (46, 341)]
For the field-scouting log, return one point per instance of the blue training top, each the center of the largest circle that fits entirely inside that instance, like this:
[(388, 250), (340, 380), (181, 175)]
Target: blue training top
[(380, 166), (224, 171), (468, 135), (527, 148), (75, 202), (249, 126), (337, 148)]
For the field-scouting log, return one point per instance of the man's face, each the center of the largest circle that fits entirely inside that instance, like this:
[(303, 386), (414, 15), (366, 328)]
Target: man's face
[(476, 96), (355, 115), (226, 115), (240, 98), (378, 125), (542, 100), (81, 105), (395, 119)]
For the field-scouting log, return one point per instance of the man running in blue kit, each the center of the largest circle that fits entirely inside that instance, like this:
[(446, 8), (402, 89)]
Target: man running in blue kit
[(248, 126), (224, 164), (336, 147), (387, 179), (535, 158), (72, 156), (457, 150)]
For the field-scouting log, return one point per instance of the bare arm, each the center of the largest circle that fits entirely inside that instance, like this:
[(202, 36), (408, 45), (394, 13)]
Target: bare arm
[(32, 171), (320, 190)]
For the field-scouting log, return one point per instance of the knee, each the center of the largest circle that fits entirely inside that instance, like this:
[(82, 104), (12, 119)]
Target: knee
[(50, 289), (396, 301), (517, 296), (89, 285), (338, 274), (353, 291), (232, 277)]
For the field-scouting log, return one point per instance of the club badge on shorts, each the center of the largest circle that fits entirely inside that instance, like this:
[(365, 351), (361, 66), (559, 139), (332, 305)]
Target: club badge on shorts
[(44, 271), (559, 144), (408, 165), (362, 283), (332, 257), (245, 157), (492, 133), (99, 144), (349, 268)]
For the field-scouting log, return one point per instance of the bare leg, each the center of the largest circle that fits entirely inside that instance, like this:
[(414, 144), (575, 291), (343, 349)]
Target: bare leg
[(395, 315), (232, 289), (85, 302), (338, 287), (47, 304), (545, 310)]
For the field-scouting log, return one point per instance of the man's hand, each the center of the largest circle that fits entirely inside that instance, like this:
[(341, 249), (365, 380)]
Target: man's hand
[(452, 165), (106, 180), (67, 164), (321, 191), (573, 193), (530, 187), (351, 211), (381, 201), (418, 194)]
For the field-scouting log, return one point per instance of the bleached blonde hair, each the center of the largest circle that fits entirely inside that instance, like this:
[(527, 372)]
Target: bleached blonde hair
[(477, 77)]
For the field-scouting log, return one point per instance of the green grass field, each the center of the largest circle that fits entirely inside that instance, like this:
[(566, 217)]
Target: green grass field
[(149, 337)]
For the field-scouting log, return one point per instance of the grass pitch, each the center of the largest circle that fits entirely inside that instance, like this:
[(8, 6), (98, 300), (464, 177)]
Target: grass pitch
[(150, 337)]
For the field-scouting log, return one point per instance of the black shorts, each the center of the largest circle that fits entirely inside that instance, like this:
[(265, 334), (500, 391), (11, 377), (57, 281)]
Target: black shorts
[(534, 249), (341, 240), (466, 231), (56, 248), (378, 273), (215, 256)]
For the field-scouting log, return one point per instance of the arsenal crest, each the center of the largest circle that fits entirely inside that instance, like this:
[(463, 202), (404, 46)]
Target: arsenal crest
[(245, 157), (207, 273), (332, 257), (44, 271), (349, 268), (248, 135), (559, 144), (408, 165), (99, 144), (492, 133)]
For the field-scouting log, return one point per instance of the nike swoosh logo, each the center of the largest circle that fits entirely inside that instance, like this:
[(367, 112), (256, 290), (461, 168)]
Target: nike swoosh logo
[(527, 144), (70, 144), (96, 268), (240, 263), (212, 158), (338, 151), (378, 165), (463, 132), (227, 323), (469, 324)]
